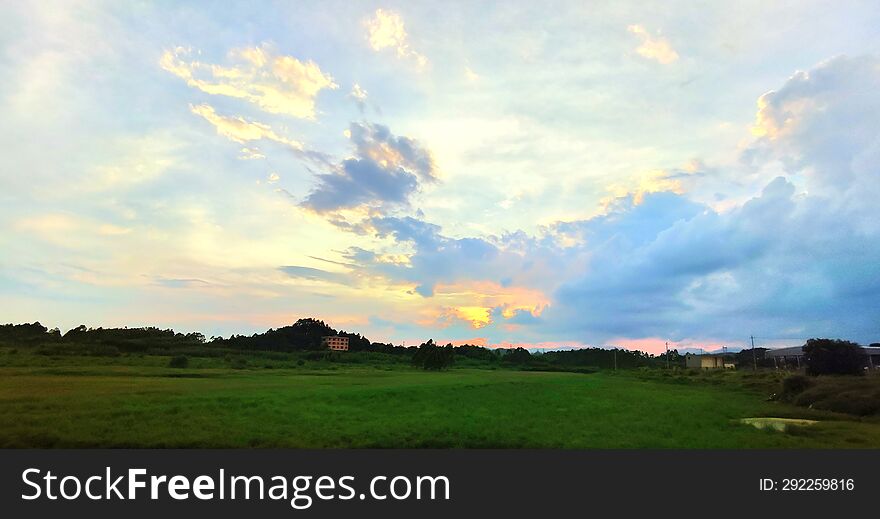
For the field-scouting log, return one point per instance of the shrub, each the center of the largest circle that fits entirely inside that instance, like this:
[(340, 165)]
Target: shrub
[(238, 363), (179, 361)]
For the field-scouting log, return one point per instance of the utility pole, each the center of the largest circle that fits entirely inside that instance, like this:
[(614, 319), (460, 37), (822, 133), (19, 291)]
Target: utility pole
[(667, 354), (754, 355)]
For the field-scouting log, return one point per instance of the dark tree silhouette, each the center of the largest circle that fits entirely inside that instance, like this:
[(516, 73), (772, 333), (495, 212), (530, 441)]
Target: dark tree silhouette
[(833, 357), (433, 357)]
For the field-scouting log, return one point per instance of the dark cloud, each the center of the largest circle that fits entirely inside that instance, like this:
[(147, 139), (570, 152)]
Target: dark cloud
[(359, 182), (385, 172)]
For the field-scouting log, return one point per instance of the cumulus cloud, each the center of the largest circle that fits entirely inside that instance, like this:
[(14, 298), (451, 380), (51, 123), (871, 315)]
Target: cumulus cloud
[(385, 30), (278, 84), (385, 172), (653, 47), (797, 259), (824, 123), (787, 261)]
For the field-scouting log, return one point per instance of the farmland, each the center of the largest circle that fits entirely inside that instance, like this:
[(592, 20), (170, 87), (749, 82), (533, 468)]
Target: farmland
[(138, 401)]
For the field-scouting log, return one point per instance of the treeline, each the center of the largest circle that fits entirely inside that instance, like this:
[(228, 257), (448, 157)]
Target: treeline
[(96, 341), (305, 336)]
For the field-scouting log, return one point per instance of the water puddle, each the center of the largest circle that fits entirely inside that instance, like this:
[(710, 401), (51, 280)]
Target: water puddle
[(777, 424)]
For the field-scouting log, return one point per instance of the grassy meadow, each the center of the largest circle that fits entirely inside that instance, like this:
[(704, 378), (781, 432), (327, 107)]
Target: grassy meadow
[(138, 401)]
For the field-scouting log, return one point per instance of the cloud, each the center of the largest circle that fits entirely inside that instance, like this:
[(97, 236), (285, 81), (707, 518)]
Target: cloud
[(68, 230), (239, 129), (379, 144), (385, 171), (656, 48), (278, 84), (492, 271), (361, 182), (823, 123), (360, 97), (182, 283), (314, 274), (785, 261), (250, 154), (470, 75), (385, 30), (799, 258)]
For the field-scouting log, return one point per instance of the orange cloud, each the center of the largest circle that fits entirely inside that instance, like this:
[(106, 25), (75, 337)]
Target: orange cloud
[(474, 302), (478, 316)]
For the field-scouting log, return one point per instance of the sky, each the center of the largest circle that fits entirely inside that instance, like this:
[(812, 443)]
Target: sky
[(505, 174)]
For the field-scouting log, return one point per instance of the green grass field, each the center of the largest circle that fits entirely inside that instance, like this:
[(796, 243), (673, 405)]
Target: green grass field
[(119, 405)]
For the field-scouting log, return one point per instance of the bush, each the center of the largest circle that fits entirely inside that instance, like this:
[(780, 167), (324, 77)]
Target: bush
[(833, 357), (179, 361), (238, 363)]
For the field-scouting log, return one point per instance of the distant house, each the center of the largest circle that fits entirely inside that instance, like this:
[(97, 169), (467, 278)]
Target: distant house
[(708, 361), (335, 342)]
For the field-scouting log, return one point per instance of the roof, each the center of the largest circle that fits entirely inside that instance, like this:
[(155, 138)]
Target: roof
[(793, 351), (799, 350)]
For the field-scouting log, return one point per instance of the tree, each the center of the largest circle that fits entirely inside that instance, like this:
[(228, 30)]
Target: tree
[(433, 357), (517, 356), (752, 357), (833, 357)]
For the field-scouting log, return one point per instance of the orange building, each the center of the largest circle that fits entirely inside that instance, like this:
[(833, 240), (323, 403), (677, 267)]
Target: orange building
[(335, 342)]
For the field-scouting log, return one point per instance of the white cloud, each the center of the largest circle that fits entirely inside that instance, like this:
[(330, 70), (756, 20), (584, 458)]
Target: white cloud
[(239, 129), (656, 48), (359, 95), (386, 31), (250, 154), (276, 83)]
